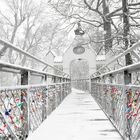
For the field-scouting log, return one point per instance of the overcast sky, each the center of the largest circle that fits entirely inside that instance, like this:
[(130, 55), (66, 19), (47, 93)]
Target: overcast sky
[(3, 3)]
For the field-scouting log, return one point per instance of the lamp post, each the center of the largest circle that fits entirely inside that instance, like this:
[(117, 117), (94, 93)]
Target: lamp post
[(79, 30)]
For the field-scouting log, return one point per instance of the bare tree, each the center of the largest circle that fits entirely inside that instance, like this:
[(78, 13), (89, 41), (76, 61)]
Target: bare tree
[(18, 10), (108, 13), (26, 16)]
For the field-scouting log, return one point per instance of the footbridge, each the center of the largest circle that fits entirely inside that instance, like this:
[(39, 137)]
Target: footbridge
[(45, 105)]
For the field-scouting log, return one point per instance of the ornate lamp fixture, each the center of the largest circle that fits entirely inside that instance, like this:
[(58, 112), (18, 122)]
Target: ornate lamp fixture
[(79, 49), (79, 30)]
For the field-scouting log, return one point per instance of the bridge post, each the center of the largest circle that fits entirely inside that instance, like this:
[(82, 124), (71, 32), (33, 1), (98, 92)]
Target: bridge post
[(112, 99), (61, 92), (63, 81), (54, 100), (127, 81), (25, 107), (44, 99), (127, 77)]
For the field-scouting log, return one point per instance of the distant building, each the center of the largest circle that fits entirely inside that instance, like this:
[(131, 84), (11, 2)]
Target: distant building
[(63, 62), (49, 58), (58, 63), (100, 61), (79, 52)]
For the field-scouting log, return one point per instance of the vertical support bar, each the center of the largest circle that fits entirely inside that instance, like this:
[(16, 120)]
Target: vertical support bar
[(124, 107), (54, 93), (25, 107), (127, 78), (112, 97), (90, 82), (47, 93), (63, 90), (127, 81), (54, 79), (70, 88), (61, 87), (44, 98), (102, 81)]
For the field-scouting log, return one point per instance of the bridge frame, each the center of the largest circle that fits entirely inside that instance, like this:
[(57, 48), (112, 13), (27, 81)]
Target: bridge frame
[(116, 89), (24, 107)]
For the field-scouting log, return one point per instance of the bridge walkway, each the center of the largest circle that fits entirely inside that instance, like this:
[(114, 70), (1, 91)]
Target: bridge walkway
[(77, 118)]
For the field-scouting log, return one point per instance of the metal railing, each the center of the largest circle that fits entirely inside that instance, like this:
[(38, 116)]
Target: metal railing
[(24, 107), (117, 91), (8, 45), (118, 63)]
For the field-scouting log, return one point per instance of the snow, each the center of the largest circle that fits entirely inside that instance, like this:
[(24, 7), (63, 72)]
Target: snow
[(53, 53), (100, 58), (77, 118), (58, 59)]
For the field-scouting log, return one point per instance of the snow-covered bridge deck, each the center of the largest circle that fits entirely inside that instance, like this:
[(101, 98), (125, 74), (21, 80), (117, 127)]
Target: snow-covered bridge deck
[(77, 118)]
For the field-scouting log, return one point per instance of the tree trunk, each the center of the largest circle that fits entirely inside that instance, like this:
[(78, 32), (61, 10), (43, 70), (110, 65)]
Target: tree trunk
[(3, 50), (126, 27), (128, 61), (12, 41), (107, 26)]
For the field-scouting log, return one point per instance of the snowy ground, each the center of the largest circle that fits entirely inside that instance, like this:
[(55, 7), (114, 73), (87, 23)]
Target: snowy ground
[(77, 118)]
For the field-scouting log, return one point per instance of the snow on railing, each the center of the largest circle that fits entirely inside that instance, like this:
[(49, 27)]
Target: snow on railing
[(11, 46), (117, 91), (119, 61)]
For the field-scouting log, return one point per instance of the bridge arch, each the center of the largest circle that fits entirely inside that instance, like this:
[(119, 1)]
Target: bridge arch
[(88, 55), (79, 73)]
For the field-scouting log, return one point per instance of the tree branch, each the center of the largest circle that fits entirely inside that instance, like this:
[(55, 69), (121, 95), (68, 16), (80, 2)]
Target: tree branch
[(92, 9)]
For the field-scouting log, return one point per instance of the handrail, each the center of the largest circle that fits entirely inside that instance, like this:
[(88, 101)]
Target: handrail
[(21, 87), (21, 105), (117, 91), (129, 68), (117, 57), (29, 86), (23, 108), (9, 45), (54, 84), (114, 84), (18, 67)]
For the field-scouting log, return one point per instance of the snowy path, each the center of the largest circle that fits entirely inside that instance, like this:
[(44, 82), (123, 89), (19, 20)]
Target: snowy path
[(77, 118)]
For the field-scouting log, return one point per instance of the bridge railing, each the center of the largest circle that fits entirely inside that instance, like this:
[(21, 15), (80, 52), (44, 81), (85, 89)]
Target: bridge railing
[(22, 55), (24, 107), (118, 94)]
